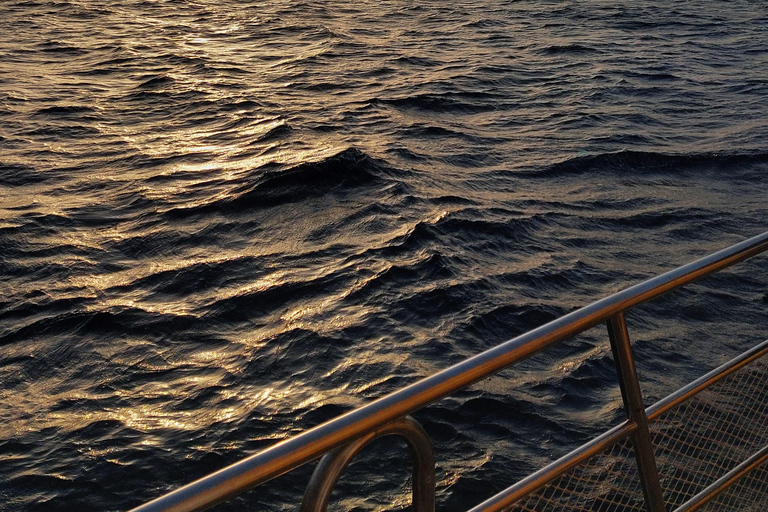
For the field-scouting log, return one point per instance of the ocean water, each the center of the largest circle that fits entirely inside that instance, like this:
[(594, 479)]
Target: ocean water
[(224, 222)]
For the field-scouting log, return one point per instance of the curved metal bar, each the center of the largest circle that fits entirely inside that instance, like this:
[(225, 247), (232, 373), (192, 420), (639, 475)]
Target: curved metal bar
[(293, 452), (332, 464)]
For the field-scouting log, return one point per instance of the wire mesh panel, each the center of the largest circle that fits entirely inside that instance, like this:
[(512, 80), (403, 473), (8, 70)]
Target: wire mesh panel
[(747, 494), (695, 443), (607, 482), (703, 438)]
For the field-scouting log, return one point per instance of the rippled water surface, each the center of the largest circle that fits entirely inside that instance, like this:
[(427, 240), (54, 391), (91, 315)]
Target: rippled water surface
[(224, 222)]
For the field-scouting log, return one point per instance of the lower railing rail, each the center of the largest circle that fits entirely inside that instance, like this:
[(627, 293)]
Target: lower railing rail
[(661, 458)]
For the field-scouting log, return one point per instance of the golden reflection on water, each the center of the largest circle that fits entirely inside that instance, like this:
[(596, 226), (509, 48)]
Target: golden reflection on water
[(240, 403)]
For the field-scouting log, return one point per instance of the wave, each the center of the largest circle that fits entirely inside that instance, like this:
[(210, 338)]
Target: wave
[(648, 162), (278, 131), (16, 175), (244, 306), (466, 102), (153, 97), (191, 279), (568, 49), (468, 228), (156, 82), (63, 132), (112, 323), (275, 185), (64, 111), (59, 47)]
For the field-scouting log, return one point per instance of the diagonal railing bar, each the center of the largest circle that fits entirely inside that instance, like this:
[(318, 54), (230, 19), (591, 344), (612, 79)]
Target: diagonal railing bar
[(555, 469), (724, 481), (705, 381), (713, 433), (309, 445)]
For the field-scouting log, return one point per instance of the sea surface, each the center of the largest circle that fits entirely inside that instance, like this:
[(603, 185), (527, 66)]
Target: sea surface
[(223, 222)]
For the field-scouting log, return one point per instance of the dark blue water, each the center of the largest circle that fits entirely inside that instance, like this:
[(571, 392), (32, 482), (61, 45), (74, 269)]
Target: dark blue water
[(224, 222)]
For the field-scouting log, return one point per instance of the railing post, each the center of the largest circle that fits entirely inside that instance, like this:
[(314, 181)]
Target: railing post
[(633, 405)]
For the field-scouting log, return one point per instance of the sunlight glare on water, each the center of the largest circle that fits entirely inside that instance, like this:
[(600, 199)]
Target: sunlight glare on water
[(224, 223)]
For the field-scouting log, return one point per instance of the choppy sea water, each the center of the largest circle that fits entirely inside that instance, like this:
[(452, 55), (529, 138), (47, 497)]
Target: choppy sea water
[(224, 222)]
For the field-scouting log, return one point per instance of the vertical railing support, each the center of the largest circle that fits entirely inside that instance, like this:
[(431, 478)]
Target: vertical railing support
[(633, 405)]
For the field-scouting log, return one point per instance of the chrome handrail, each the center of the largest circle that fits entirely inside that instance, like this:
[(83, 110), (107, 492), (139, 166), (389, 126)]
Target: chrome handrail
[(311, 444)]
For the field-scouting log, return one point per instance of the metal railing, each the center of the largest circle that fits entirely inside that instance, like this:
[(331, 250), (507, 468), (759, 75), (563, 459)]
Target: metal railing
[(647, 472)]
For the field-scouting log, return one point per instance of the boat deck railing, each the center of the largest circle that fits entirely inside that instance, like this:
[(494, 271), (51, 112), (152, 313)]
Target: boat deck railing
[(702, 446)]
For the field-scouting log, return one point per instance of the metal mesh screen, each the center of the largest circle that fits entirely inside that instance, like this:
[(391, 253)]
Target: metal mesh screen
[(703, 438), (607, 482), (695, 443), (748, 494)]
